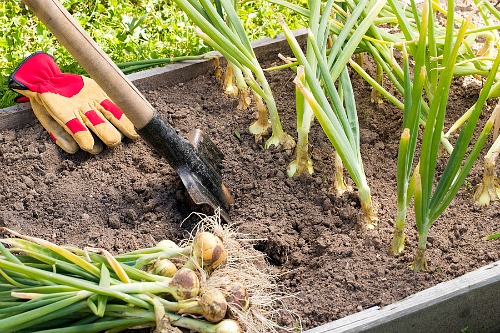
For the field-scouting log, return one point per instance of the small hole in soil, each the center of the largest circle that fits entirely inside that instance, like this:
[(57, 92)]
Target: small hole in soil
[(277, 253)]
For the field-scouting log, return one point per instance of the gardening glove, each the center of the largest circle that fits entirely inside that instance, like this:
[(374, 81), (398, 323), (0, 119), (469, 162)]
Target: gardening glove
[(68, 105)]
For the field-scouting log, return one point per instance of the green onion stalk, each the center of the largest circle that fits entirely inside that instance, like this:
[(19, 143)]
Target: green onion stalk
[(375, 96), (429, 203), (494, 93), (337, 115), (233, 43), (339, 184), (305, 115), (411, 114), (303, 161), (134, 66), (129, 67)]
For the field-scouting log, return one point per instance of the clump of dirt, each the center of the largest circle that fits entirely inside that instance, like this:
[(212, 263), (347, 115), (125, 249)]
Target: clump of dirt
[(129, 197)]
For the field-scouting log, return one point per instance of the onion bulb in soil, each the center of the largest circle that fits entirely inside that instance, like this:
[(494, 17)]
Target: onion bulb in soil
[(186, 283), (208, 251)]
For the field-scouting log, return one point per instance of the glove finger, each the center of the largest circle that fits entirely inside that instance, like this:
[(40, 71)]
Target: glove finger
[(68, 116), (57, 133), (96, 121), (92, 91), (117, 118), (76, 127)]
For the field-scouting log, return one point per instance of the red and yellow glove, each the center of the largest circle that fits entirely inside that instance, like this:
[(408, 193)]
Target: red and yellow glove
[(68, 105)]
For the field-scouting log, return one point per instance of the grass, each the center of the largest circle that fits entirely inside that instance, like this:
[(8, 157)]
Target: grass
[(130, 30)]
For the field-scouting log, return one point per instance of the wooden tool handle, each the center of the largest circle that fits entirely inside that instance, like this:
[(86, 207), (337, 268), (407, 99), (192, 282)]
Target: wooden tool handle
[(93, 60)]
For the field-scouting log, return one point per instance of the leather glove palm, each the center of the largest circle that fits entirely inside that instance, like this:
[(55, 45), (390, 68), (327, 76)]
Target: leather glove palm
[(68, 105)]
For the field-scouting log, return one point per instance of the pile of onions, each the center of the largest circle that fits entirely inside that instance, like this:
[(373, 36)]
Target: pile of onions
[(90, 290)]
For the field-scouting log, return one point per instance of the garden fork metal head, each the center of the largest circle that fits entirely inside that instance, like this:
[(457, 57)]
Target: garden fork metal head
[(197, 162)]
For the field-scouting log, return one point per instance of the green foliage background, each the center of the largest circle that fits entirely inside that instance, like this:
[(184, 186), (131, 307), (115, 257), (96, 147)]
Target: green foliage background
[(129, 30)]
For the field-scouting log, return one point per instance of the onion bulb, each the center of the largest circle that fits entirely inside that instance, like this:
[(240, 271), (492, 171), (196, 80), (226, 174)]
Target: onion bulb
[(208, 251), (186, 284), (164, 267), (228, 326), (167, 244), (237, 295), (213, 304)]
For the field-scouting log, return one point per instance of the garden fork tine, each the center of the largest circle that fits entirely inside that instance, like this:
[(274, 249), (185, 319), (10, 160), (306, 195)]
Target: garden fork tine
[(197, 163)]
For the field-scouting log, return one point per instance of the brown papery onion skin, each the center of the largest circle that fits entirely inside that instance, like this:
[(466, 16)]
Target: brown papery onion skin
[(214, 305), (237, 295), (186, 283)]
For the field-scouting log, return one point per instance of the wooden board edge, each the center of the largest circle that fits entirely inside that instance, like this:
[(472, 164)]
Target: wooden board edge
[(469, 301)]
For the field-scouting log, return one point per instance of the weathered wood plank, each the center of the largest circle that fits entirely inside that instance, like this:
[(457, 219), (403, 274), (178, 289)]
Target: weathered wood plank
[(471, 301), (265, 49), (16, 116)]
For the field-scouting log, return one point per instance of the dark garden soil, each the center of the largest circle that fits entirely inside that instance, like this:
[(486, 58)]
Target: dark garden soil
[(129, 197)]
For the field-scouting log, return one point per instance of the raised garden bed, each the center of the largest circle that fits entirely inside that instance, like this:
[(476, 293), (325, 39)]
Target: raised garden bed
[(128, 197)]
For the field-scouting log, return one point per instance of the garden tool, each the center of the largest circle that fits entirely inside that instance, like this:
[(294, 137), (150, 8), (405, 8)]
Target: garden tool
[(197, 161)]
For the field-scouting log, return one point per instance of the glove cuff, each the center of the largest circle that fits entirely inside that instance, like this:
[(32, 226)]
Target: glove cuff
[(39, 73), (32, 71)]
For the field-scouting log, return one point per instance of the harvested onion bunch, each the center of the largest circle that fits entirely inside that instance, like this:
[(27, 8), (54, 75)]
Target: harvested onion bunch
[(49, 288)]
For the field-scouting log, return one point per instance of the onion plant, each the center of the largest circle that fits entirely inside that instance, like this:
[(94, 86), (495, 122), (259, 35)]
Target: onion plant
[(407, 145), (375, 41), (233, 80), (318, 25), (334, 106), (231, 40), (380, 45), (318, 16), (430, 201)]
